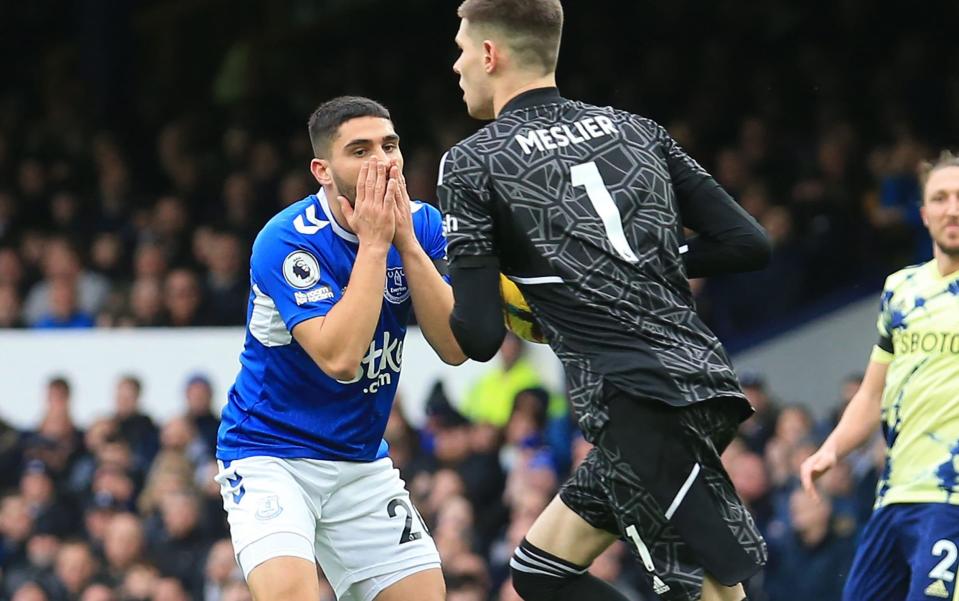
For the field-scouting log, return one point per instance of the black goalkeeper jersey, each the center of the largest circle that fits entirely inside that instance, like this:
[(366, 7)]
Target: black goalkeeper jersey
[(579, 204)]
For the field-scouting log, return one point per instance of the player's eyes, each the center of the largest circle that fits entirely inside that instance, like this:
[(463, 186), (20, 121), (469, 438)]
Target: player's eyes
[(359, 152), (389, 147)]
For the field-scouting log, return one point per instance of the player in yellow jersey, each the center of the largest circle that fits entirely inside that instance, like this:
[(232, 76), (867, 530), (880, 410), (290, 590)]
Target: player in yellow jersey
[(909, 550)]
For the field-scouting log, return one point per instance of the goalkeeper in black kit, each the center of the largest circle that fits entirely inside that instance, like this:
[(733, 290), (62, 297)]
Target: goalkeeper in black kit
[(584, 208)]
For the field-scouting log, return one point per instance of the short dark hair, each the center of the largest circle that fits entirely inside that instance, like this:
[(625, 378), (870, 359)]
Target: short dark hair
[(326, 120), (133, 381), (60, 382), (533, 27)]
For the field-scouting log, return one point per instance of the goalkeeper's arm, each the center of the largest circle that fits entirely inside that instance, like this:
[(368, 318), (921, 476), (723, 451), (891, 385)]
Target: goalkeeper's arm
[(477, 319), (729, 240)]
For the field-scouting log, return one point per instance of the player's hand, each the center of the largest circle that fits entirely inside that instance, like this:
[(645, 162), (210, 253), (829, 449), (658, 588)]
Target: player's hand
[(372, 216), (815, 466), (404, 239)]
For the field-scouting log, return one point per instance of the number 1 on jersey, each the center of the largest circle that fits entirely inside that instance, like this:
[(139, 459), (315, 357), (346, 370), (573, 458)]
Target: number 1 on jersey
[(588, 176)]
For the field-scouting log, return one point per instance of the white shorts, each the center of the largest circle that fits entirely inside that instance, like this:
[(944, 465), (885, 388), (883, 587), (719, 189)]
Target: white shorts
[(355, 519)]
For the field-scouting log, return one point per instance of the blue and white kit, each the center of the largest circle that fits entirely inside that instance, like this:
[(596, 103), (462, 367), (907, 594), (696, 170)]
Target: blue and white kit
[(302, 454)]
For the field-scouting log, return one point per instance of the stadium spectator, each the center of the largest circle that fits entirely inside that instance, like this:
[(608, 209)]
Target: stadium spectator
[(16, 524), (214, 519), (106, 256), (220, 570), (466, 578), (98, 592), (480, 473), (135, 222), (227, 286), (75, 568), (453, 531), (8, 216), (10, 455), (133, 426), (199, 409), (169, 589), (41, 549), (181, 436), (145, 304), (56, 442), (10, 307), (238, 591), (809, 555), (170, 473), (182, 299), (30, 591), (112, 487), (609, 567), (123, 545), (98, 510), (758, 429), (62, 268), (11, 267), (848, 388), (405, 445), (167, 228), (491, 397), (149, 261), (139, 581), (63, 311), (181, 546), (748, 473), (38, 490)]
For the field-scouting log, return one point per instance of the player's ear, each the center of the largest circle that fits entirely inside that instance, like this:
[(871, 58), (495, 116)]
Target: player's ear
[(320, 168), (491, 56)]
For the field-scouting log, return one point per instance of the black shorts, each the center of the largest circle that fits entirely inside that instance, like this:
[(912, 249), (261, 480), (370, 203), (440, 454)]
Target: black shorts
[(655, 479)]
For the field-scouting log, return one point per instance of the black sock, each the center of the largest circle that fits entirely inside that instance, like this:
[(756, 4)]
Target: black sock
[(541, 576)]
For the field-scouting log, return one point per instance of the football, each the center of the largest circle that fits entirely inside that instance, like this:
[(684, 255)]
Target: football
[(517, 314)]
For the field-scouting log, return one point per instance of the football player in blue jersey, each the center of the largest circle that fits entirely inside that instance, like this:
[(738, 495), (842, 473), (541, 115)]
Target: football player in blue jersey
[(305, 475)]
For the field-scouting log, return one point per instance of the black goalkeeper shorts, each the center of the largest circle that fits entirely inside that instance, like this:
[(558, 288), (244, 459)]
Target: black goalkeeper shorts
[(655, 479)]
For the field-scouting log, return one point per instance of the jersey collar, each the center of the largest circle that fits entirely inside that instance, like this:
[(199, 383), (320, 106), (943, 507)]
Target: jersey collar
[(530, 98), (325, 205)]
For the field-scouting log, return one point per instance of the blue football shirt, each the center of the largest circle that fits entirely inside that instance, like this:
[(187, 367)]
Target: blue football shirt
[(282, 404)]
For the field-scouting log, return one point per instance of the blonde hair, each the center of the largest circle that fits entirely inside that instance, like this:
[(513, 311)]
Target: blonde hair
[(946, 159)]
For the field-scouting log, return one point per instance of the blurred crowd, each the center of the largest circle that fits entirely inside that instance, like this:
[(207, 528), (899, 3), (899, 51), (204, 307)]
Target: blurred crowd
[(143, 145), (127, 509), (142, 149)]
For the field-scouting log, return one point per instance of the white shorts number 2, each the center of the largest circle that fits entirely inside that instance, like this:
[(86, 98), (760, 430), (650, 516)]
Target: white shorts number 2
[(358, 516)]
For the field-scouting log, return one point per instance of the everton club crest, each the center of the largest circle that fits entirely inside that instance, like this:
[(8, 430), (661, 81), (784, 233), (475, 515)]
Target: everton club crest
[(396, 290)]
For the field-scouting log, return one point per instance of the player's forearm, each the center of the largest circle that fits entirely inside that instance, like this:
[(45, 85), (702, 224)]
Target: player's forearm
[(432, 303), (349, 326), (738, 252), (477, 319), (729, 240), (858, 424)]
